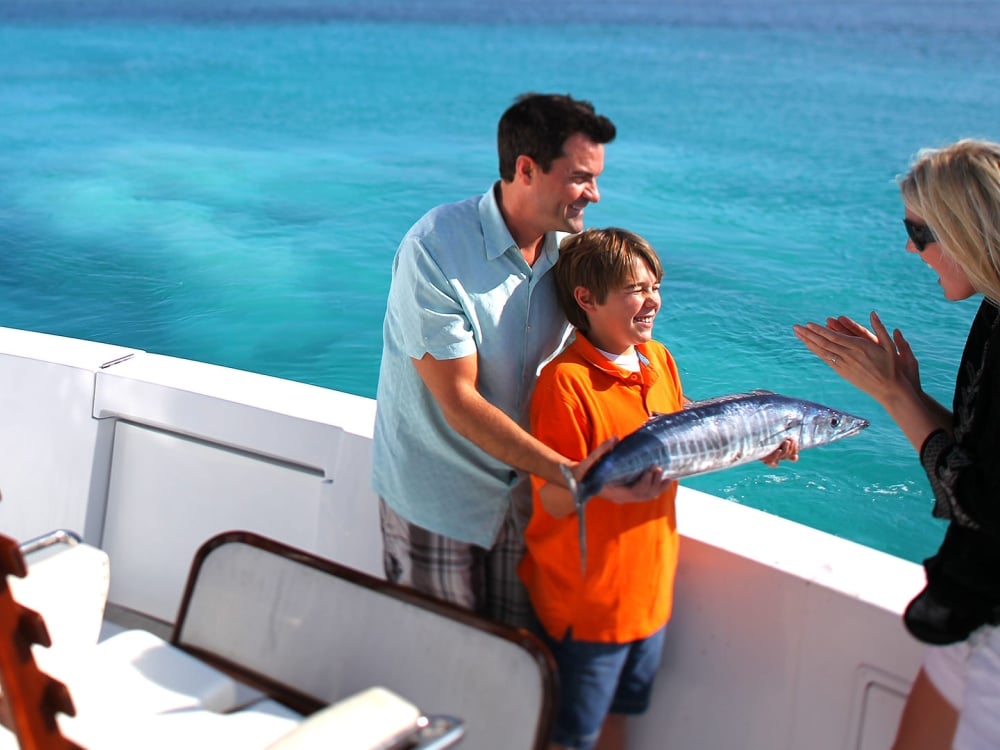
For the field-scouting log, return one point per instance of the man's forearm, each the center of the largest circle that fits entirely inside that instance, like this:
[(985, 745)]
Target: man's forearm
[(500, 436)]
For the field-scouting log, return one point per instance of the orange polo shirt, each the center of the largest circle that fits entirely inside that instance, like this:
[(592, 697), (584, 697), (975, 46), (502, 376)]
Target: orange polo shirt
[(580, 400)]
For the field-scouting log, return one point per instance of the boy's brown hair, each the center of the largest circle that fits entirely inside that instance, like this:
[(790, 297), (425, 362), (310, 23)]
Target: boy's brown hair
[(599, 260)]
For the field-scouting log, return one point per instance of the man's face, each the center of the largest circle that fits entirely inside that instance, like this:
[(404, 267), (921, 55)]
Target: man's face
[(562, 193)]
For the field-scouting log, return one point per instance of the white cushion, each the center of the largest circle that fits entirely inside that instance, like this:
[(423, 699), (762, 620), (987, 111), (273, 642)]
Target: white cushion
[(370, 719), (68, 586), (136, 672), (252, 728), (8, 741)]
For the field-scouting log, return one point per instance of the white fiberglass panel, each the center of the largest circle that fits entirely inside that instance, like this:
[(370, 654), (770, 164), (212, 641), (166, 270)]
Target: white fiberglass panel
[(791, 634), (169, 493), (299, 427), (48, 439)]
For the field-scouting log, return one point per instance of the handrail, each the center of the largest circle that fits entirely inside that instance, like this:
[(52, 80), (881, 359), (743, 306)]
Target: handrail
[(434, 732), (59, 536)]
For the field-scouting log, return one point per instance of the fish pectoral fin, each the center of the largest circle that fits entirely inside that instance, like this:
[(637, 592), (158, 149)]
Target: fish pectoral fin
[(775, 440)]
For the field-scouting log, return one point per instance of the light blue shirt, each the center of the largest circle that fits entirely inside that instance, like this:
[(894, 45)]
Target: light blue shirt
[(460, 286)]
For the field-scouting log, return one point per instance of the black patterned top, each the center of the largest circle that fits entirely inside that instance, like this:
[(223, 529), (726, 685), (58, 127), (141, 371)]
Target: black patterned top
[(963, 578)]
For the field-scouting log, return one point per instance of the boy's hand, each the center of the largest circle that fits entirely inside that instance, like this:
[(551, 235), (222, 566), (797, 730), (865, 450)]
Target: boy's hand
[(651, 484), (787, 451)]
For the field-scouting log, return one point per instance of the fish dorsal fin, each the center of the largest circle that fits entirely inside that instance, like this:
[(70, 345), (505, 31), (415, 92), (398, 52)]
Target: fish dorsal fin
[(718, 400), (729, 397)]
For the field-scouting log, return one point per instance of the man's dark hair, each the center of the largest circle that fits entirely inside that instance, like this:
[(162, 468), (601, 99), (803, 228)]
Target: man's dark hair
[(537, 125)]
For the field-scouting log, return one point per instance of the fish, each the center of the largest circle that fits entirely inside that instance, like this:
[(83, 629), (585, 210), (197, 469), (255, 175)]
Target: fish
[(711, 435)]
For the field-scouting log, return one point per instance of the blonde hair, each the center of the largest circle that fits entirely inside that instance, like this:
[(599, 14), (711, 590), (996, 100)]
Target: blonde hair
[(956, 190), (599, 260)]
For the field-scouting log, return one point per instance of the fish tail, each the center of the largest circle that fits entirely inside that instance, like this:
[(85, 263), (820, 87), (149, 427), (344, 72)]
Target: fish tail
[(574, 488), (579, 502)]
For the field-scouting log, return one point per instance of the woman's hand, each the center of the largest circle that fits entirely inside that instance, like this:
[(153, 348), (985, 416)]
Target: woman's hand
[(872, 360), (907, 362), (882, 366)]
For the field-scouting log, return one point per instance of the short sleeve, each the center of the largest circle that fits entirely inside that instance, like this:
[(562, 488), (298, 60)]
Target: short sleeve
[(424, 308)]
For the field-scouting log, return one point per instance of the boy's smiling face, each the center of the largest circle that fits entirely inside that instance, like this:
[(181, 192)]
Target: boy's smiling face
[(625, 318)]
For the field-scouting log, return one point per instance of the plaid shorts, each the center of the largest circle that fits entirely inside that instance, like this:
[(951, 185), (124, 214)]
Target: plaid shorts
[(484, 581)]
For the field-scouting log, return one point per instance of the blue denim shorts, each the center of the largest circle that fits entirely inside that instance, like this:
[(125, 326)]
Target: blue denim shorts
[(596, 679)]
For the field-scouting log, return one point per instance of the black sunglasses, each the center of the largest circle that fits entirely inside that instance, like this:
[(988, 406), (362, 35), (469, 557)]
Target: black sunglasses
[(921, 234)]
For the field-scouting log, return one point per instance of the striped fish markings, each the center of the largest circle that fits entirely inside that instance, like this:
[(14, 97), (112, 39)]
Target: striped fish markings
[(711, 435)]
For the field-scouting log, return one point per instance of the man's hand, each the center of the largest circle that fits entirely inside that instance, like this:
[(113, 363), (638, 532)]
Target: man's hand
[(651, 484)]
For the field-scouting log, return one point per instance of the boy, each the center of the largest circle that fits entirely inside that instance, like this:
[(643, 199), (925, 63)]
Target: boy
[(603, 625)]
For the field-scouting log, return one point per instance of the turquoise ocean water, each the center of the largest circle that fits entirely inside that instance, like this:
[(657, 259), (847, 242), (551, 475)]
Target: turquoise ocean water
[(227, 181)]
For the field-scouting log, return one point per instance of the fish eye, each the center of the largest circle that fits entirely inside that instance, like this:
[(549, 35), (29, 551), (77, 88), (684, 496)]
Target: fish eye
[(835, 421)]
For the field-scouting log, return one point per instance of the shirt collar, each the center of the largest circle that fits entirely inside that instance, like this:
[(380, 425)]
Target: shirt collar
[(581, 344), (495, 232), (497, 236)]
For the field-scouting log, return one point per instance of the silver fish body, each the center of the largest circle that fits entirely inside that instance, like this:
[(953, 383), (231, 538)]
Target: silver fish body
[(710, 435), (716, 434)]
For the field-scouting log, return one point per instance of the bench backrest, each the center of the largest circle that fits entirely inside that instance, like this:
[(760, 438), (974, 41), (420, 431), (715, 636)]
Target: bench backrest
[(309, 630)]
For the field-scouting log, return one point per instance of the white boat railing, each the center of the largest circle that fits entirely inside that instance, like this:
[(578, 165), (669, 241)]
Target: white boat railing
[(782, 636)]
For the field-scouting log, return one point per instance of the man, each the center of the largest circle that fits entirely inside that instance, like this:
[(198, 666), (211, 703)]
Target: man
[(471, 317)]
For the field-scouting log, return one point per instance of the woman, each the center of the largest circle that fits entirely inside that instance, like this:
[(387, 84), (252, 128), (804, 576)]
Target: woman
[(951, 198)]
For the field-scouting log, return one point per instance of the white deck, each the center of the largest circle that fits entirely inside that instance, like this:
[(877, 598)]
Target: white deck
[(783, 637)]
